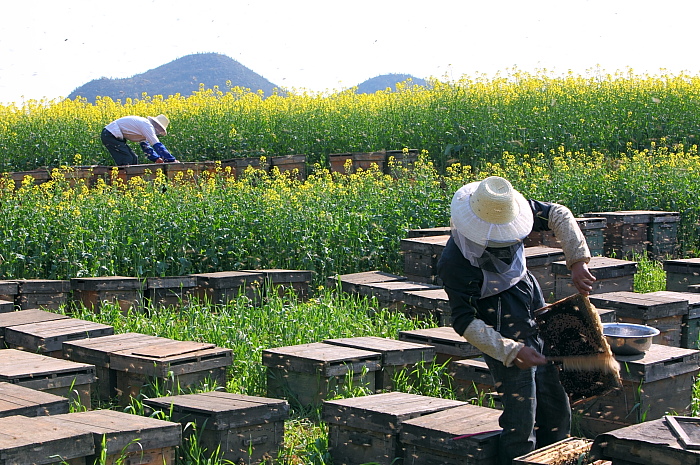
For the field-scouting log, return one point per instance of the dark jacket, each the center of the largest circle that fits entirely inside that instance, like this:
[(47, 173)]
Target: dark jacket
[(510, 312)]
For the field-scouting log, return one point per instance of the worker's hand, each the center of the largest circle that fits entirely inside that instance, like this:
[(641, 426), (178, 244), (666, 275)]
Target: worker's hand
[(582, 278), (159, 160), (528, 358)]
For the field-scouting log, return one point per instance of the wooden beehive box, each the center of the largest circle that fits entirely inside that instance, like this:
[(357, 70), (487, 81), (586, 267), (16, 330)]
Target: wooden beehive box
[(611, 275), (282, 282), (42, 293), (539, 261), (169, 291), (173, 364), (391, 294), (35, 177), (592, 229), (6, 306), (20, 400), (308, 373), (9, 290), (569, 450), (222, 287), (653, 384), (440, 231), (366, 160), (626, 232), (396, 355), (420, 257), (690, 326), (663, 312), (97, 352), (397, 160), (468, 434), (47, 337), (649, 443), (94, 292), (291, 165), (681, 273), (39, 441), (448, 344), (663, 234), (429, 304), (187, 171), (472, 378), (340, 163), (23, 317), (351, 282), (145, 171), (240, 165), (367, 429), (248, 429), (55, 376), (120, 437)]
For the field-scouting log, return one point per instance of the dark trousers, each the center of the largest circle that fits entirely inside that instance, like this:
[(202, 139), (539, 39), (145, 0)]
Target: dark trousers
[(536, 409), (121, 153)]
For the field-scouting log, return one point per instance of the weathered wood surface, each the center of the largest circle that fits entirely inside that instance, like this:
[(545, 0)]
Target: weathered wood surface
[(48, 336), (38, 440), (448, 344), (383, 412), (394, 352), (29, 369), (349, 282), (392, 291), (648, 443), (642, 306), (20, 400), (23, 317), (106, 283), (222, 410), (659, 362), (123, 432), (319, 358), (435, 432), (97, 352)]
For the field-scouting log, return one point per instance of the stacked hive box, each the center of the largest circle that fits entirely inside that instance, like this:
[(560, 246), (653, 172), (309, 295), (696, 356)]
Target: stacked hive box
[(222, 287), (592, 229), (246, 429), (661, 311), (308, 373), (168, 291), (367, 429), (94, 292), (42, 293), (653, 384), (23, 317), (351, 283), (690, 326), (447, 343), (47, 337), (681, 273), (611, 275), (540, 261), (421, 255), (20, 400), (468, 434)]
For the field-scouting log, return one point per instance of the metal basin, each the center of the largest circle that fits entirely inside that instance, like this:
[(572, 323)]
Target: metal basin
[(628, 338)]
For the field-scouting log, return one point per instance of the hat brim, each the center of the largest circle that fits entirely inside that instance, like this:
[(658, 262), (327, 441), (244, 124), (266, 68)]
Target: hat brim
[(467, 223), (157, 125)]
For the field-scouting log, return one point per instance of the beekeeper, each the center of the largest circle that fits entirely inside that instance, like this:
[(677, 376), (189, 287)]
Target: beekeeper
[(145, 131), (493, 295)]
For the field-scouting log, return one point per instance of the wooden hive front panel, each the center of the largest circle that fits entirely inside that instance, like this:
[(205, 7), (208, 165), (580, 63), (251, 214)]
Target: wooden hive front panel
[(308, 373), (466, 434), (124, 437), (20, 400), (366, 429), (169, 291), (6, 306), (38, 440), (663, 235), (396, 355), (690, 326), (44, 293), (23, 317), (222, 287), (448, 344), (681, 273), (472, 378), (246, 428), (392, 294), (47, 337), (97, 352), (539, 261), (429, 304), (93, 292), (174, 363), (281, 281), (56, 376), (658, 382), (421, 255)]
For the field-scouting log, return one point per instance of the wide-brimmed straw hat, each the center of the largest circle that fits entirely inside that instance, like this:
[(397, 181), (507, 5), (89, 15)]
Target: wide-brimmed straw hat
[(160, 122), (491, 212)]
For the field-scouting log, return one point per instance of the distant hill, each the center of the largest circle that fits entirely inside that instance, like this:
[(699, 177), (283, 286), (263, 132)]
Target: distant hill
[(180, 76), (385, 81)]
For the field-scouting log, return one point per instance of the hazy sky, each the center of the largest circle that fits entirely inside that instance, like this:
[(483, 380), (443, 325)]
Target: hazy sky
[(50, 47)]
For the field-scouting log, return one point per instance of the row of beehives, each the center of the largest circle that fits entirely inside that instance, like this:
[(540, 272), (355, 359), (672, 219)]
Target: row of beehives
[(617, 235), (294, 165), (139, 293), (52, 359)]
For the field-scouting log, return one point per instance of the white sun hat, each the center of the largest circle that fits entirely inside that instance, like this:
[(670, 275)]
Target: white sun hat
[(491, 212), (160, 122)]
